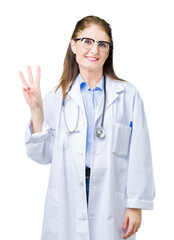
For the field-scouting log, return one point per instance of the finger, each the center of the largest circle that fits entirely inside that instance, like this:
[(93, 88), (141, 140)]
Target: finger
[(129, 232), (27, 89), (134, 230), (125, 222), (30, 75), (23, 79), (136, 227), (38, 73)]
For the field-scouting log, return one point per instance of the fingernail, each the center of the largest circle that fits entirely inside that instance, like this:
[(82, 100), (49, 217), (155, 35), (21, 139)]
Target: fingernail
[(123, 228), (28, 88)]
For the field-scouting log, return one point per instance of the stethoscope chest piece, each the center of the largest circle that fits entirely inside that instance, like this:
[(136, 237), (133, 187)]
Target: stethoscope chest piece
[(100, 132)]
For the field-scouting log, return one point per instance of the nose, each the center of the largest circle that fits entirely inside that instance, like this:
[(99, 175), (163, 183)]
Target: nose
[(95, 48)]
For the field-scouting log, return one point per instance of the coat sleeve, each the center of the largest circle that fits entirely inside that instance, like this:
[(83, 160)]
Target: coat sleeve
[(140, 181), (39, 146)]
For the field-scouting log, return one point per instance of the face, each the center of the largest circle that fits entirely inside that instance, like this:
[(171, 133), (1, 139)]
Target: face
[(93, 59)]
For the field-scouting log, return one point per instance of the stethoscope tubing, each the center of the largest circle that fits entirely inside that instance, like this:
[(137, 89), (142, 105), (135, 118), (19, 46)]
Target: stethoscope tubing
[(103, 113)]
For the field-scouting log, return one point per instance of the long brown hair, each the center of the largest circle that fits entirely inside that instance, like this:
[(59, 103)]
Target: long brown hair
[(71, 68)]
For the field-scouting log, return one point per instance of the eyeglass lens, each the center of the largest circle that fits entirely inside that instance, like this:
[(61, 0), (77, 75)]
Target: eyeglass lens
[(88, 44)]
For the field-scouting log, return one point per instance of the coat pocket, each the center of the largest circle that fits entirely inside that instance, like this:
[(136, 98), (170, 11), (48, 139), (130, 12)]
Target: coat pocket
[(121, 139), (51, 213)]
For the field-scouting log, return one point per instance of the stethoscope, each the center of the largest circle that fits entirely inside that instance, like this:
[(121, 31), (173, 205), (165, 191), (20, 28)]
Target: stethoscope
[(100, 132)]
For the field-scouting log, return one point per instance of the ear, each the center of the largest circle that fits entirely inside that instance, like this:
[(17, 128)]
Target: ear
[(73, 46)]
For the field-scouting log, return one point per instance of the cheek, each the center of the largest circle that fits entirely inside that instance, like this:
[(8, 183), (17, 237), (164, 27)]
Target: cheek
[(104, 58), (79, 58), (80, 55)]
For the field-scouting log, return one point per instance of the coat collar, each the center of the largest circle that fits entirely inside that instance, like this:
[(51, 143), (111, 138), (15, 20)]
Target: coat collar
[(113, 88)]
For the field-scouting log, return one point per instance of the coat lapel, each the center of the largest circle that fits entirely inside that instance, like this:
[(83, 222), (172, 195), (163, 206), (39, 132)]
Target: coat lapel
[(113, 87), (76, 94)]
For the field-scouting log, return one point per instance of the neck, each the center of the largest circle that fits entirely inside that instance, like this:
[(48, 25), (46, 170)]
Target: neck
[(92, 78)]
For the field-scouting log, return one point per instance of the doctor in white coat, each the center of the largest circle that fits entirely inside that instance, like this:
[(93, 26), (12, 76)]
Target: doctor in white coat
[(105, 201)]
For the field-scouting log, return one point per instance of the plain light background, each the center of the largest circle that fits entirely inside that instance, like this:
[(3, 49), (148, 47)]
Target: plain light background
[(37, 32)]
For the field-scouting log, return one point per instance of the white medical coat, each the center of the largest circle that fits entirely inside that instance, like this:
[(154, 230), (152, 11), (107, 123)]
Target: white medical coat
[(121, 164)]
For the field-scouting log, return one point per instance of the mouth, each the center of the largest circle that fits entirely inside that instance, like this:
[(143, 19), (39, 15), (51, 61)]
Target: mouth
[(92, 59)]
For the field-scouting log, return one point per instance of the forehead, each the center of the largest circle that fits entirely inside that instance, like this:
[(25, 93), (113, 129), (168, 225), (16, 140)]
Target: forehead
[(94, 32)]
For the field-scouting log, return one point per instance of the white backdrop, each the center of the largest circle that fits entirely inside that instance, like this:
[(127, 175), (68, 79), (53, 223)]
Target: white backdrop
[(37, 32)]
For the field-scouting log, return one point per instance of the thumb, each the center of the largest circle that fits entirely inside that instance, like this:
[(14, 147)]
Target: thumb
[(125, 222)]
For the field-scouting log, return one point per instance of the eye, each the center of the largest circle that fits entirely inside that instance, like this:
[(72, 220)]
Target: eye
[(102, 44), (87, 41)]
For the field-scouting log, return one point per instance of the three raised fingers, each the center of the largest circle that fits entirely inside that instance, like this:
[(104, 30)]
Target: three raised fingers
[(30, 77)]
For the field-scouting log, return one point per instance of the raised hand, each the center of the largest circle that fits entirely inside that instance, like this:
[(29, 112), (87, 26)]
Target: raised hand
[(32, 95), (31, 90)]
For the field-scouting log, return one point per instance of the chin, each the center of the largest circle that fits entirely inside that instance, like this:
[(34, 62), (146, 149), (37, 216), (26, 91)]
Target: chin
[(92, 68)]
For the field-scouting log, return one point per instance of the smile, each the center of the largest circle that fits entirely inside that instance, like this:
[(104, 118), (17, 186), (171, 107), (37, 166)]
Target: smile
[(93, 59)]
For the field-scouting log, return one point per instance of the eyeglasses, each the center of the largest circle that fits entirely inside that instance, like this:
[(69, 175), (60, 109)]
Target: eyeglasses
[(88, 43)]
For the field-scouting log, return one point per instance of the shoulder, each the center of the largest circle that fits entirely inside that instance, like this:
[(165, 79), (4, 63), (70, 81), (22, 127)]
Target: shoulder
[(51, 105), (52, 101), (129, 90), (54, 95), (133, 92)]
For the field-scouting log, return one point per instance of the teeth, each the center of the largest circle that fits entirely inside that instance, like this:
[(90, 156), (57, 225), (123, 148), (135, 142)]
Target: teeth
[(92, 58)]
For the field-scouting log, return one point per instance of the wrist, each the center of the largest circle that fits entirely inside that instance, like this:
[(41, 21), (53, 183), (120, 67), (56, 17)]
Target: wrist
[(36, 110)]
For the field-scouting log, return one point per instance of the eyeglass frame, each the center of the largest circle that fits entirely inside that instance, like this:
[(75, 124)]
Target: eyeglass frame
[(81, 39)]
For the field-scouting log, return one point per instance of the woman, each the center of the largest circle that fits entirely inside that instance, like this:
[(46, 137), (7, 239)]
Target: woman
[(91, 126)]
